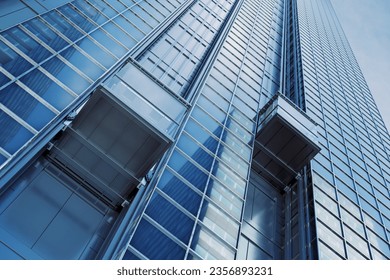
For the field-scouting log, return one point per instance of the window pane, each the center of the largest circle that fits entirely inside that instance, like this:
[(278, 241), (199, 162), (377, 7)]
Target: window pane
[(188, 170), (100, 36), (77, 18), (90, 11), (66, 75), (119, 34), (130, 28), (83, 63), (195, 152), (25, 106), (104, 58), (154, 244), (180, 192), (26, 44), (43, 32), (12, 62), (47, 89), (171, 218), (13, 135), (59, 22)]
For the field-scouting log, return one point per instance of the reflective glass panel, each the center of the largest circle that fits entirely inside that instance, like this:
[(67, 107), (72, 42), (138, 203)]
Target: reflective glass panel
[(82, 62), (154, 244), (12, 62), (66, 75), (43, 32), (171, 218), (180, 192), (25, 106), (47, 89), (26, 44), (13, 135)]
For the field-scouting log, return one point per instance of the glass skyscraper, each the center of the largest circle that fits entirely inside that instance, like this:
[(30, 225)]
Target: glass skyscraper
[(187, 129)]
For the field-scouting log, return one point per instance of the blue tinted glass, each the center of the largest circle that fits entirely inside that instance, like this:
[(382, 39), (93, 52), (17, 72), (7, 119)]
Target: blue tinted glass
[(104, 58), (172, 219), (156, 10), (78, 19), (66, 75), (59, 22), (201, 135), (47, 89), (145, 16), (130, 28), (3, 79), (12, 135), (130, 256), (12, 62), (26, 44), (154, 244), (83, 63), (104, 8), (137, 21), (119, 35), (180, 192), (195, 152), (188, 170), (90, 11), (25, 106), (2, 159), (207, 121), (43, 32), (117, 5), (211, 109), (100, 36)]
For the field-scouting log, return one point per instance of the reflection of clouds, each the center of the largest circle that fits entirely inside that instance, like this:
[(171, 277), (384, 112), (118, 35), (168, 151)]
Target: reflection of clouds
[(365, 23)]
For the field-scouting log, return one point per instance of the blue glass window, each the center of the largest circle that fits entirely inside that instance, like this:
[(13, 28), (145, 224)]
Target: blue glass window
[(104, 8), (104, 58), (3, 79), (47, 89), (82, 62), (130, 28), (66, 75), (25, 106), (129, 256), (201, 135), (188, 170), (207, 121), (13, 135), (59, 22), (154, 244), (120, 35), (43, 32), (137, 21), (117, 5), (26, 44), (179, 192), (12, 62), (2, 159), (100, 36), (145, 16), (157, 11), (195, 152), (76, 18), (90, 11), (171, 218)]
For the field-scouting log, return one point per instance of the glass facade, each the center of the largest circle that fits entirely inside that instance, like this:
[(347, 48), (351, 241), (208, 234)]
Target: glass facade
[(182, 130)]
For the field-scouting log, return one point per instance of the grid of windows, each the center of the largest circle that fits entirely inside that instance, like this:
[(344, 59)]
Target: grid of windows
[(206, 176), (351, 172), (48, 62)]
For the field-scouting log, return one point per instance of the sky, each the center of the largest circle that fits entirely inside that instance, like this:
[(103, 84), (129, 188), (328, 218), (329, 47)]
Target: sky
[(366, 24)]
